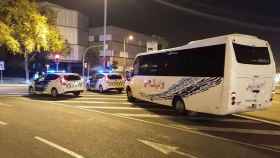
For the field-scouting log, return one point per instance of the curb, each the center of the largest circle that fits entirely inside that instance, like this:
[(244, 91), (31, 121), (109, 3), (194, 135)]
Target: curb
[(13, 85)]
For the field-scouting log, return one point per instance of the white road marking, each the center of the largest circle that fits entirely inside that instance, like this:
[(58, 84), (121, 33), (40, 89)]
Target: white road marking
[(5, 105), (148, 115), (185, 117), (277, 102), (122, 108), (257, 119), (97, 95), (3, 123), (165, 149), (89, 102), (277, 147), (232, 130), (115, 99), (69, 152), (225, 120), (165, 126)]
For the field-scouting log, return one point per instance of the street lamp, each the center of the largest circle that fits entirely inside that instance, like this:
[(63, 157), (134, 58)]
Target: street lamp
[(126, 39), (47, 66), (84, 55), (105, 32), (57, 57)]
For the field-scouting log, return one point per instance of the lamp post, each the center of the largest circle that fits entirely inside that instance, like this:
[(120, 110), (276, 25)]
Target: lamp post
[(105, 32), (57, 56), (84, 55), (126, 39)]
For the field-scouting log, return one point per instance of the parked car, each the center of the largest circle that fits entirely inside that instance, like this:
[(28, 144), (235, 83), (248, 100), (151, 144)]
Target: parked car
[(56, 84), (106, 81)]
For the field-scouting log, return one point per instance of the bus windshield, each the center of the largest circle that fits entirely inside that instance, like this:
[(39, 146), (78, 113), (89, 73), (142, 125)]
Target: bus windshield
[(251, 55)]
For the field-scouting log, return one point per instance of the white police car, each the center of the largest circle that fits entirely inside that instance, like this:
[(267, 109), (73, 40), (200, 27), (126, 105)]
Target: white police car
[(106, 81), (56, 84)]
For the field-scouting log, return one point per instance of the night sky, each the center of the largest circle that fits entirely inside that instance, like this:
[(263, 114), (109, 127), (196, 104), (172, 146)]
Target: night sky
[(186, 20)]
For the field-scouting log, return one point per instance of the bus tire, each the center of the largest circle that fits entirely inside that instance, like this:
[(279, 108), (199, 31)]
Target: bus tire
[(179, 105), (129, 94)]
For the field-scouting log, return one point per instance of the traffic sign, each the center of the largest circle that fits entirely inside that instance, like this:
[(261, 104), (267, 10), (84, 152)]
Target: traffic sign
[(2, 65)]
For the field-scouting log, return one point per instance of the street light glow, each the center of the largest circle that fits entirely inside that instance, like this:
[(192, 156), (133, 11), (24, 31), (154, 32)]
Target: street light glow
[(130, 37), (57, 56)]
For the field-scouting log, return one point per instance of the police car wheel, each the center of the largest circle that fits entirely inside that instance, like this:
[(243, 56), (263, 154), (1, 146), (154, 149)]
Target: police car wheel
[(120, 90), (88, 87), (31, 90), (100, 89), (54, 93), (77, 93), (130, 97)]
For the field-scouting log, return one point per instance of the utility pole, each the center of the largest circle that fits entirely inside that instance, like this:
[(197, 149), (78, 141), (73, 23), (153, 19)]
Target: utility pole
[(105, 33)]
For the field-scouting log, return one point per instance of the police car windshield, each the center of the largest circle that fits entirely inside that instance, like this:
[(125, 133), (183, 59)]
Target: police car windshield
[(72, 77), (115, 77)]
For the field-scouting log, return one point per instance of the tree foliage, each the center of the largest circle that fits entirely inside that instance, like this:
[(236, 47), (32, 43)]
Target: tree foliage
[(26, 28), (7, 38)]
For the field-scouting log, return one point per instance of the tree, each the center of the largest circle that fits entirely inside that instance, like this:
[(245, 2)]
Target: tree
[(27, 30), (6, 38)]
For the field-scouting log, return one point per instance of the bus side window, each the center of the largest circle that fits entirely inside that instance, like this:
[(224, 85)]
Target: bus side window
[(136, 66)]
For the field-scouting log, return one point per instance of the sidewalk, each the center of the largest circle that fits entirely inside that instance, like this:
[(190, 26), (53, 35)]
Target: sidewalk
[(13, 85), (13, 80), (271, 114)]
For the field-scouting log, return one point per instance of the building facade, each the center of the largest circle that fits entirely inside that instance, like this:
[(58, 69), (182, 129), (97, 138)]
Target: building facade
[(123, 45), (73, 26)]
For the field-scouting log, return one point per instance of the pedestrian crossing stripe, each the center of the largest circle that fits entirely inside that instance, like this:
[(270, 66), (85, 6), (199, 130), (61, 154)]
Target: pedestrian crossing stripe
[(98, 95), (123, 108), (90, 102), (102, 98)]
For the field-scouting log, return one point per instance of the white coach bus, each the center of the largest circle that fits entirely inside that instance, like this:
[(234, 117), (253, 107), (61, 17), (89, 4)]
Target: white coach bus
[(221, 75)]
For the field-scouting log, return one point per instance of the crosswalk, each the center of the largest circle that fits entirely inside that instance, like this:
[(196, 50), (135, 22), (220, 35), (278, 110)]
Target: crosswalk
[(119, 105)]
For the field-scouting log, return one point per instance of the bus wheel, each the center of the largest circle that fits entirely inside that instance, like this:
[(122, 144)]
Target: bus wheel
[(130, 97), (180, 106)]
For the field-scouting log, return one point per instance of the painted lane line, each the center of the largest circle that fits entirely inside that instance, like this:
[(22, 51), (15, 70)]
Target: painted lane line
[(185, 117), (277, 147), (224, 120), (257, 119), (148, 115), (277, 102), (69, 152), (5, 105), (232, 130), (165, 149), (123, 108), (165, 126), (88, 102), (3, 123), (115, 99), (94, 95)]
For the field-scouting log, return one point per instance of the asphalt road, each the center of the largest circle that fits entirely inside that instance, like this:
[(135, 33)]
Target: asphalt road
[(107, 126)]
